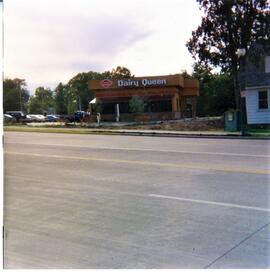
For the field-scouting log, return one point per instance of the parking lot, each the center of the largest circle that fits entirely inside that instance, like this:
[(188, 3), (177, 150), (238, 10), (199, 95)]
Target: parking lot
[(97, 201)]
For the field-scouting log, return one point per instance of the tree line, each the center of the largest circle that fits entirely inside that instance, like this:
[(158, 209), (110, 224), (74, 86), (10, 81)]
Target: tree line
[(216, 93), (64, 99)]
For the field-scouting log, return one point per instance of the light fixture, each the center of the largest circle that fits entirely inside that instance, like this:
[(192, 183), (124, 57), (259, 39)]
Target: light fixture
[(241, 52)]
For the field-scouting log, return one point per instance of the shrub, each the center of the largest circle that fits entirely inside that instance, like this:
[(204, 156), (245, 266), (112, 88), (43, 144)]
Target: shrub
[(136, 104)]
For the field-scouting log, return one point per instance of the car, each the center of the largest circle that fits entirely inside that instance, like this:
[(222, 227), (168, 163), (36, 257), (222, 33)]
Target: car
[(8, 118), (40, 117), (29, 118), (80, 116), (64, 117), (18, 115), (35, 118), (51, 118)]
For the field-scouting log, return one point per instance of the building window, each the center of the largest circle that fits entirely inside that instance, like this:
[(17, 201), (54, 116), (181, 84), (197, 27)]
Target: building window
[(267, 64), (108, 108), (159, 106), (263, 100)]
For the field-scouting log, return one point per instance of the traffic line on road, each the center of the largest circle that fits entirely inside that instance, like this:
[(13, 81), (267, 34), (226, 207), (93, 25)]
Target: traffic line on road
[(153, 150), (160, 164), (230, 205)]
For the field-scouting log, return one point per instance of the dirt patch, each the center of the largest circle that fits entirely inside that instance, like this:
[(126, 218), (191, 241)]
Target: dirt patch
[(196, 124)]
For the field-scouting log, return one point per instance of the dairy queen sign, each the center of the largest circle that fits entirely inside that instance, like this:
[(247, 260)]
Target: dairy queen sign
[(106, 83), (143, 82)]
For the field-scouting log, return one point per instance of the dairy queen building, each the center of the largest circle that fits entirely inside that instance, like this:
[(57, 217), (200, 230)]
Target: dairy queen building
[(164, 97)]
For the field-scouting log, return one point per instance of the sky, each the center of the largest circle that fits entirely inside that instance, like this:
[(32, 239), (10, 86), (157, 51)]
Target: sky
[(47, 42)]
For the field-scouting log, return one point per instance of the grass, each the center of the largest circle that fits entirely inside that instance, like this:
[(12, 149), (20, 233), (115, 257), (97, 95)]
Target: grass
[(259, 133), (48, 129)]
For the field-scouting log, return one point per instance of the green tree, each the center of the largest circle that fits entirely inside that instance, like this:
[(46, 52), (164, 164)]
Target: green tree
[(60, 97), (35, 105), (78, 89), (218, 94), (118, 72), (204, 75), (185, 74), (228, 25), (97, 108), (15, 95), (42, 101), (216, 91), (136, 104)]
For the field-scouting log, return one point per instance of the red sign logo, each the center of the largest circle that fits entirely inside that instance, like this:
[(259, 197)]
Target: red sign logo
[(106, 83)]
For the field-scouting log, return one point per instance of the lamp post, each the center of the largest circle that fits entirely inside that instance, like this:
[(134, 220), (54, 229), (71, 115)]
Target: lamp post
[(241, 52), (201, 95)]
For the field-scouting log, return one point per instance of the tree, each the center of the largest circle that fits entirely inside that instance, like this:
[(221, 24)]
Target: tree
[(216, 91), (118, 72), (228, 25), (136, 104), (15, 95), (218, 94), (35, 105), (60, 97), (78, 89), (42, 101), (204, 75), (185, 74)]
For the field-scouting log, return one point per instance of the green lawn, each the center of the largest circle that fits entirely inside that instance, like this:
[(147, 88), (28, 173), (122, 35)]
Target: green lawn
[(48, 129), (257, 132)]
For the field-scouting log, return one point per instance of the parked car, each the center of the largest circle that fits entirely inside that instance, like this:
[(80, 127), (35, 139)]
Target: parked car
[(51, 118), (78, 116), (64, 117), (18, 115), (35, 118), (29, 119), (8, 118), (41, 117)]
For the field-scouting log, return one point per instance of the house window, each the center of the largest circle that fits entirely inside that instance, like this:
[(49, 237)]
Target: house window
[(263, 100), (267, 64)]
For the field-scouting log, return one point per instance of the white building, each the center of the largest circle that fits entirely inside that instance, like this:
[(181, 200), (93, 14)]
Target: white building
[(257, 91)]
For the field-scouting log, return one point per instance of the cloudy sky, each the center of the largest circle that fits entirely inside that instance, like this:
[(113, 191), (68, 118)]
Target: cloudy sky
[(47, 42)]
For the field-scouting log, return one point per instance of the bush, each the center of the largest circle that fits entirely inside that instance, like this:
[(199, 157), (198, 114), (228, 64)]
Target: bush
[(136, 104), (97, 108)]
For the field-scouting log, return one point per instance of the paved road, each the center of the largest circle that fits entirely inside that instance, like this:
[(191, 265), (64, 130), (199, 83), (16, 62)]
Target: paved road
[(96, 201)]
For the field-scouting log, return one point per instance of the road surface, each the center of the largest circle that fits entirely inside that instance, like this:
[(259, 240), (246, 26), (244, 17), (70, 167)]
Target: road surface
[(97, 201)]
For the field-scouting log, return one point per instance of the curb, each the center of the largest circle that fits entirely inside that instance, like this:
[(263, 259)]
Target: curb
[(176, 135)]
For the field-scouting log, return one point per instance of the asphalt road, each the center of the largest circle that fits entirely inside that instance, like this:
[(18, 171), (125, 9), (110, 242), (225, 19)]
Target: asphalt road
[(96, 201)]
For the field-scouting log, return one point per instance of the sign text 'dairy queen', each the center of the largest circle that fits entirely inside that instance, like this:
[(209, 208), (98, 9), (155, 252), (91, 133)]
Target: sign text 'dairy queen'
[(143, 82)]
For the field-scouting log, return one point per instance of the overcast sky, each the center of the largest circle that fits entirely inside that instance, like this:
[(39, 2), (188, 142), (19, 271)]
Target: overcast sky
[(47, 42)]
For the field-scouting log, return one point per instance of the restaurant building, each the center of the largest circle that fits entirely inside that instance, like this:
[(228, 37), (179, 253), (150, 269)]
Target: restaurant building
[(164, 97)]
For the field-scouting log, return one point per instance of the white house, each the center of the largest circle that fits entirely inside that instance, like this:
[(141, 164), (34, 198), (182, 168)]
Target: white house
[(257, 91)]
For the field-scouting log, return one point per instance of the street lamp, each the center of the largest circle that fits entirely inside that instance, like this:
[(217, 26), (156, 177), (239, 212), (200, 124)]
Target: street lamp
[(241, 52), (201, 94)]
